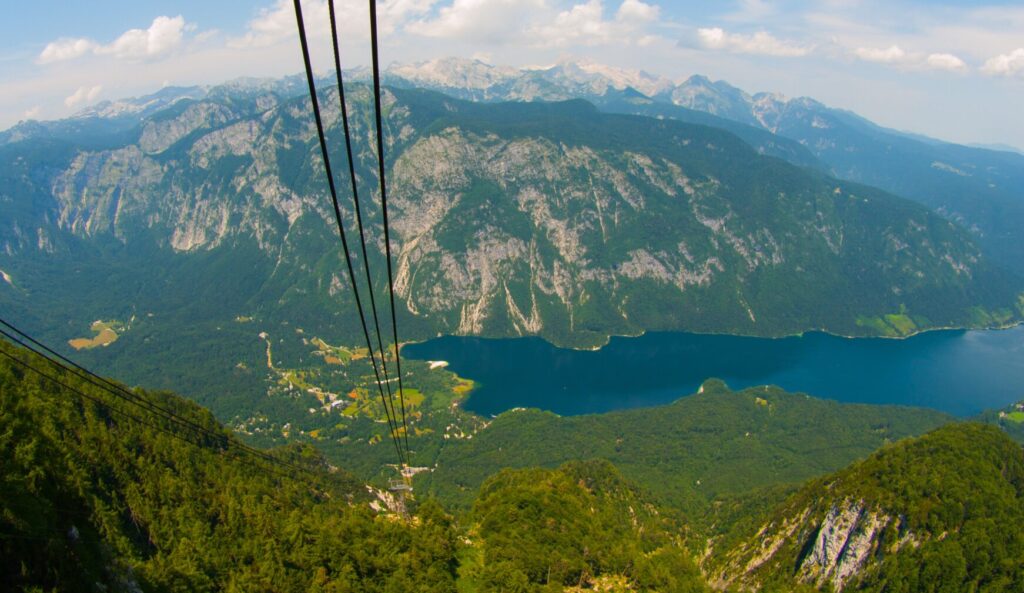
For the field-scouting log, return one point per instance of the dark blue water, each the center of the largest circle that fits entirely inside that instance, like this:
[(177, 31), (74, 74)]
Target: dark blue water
[(960, 372)]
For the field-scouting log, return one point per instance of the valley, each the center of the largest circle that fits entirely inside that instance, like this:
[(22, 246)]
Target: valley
[(551, 229), (682, 506), (655, 336)]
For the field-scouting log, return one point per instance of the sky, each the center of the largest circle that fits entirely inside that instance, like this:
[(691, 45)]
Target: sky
[(950, 69)]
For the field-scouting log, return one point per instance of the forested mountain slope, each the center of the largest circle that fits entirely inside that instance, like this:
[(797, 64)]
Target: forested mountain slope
[(93, 501), (690, 454), (580, 527), (982, 189), (942, 512)]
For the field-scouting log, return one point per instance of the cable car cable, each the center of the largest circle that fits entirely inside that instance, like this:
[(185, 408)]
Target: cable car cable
[(358, 209), (337, 215), (384, 204)]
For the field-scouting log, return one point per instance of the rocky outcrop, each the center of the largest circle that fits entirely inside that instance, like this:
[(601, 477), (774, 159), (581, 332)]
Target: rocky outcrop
[(832, 546), (846, 538)]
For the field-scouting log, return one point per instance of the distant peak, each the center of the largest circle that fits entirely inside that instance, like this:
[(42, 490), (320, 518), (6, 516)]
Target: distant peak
[(713, 385)]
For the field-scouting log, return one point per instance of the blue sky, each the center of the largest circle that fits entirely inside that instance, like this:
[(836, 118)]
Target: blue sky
[(949, 69)]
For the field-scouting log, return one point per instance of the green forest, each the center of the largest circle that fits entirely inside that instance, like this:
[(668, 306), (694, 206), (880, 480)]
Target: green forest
[(91, 500), (96, 496)]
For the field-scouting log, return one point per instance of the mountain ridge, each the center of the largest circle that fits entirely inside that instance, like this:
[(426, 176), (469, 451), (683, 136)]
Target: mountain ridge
[(979, 188)]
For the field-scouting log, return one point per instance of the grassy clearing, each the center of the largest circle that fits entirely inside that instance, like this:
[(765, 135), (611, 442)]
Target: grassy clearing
[(1017, 417), (371, 407), (892, 325), (413, 397), (903, 324), (442, 399), (295, 378), (336, 355), (106, 334), (877, 326)]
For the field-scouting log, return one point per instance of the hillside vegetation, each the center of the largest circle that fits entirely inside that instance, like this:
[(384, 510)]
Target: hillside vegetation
[(709, 446), (92, 501), (943, 512), (978, 188), (580, 526)]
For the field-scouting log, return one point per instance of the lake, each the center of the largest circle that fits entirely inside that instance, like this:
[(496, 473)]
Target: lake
[(959, 372)]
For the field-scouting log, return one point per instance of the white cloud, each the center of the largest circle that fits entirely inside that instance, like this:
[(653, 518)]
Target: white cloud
[(276, 23), (488, 21), (945, 62), (395, 13), (1005, 64), (585, 25), (649, 40), (891, 55), (84, 94), (581, 23), (637, 11), (32, 113), (162, 37), (753, 11), (895, 55), (537, 23), (760, 43), (66, 49)]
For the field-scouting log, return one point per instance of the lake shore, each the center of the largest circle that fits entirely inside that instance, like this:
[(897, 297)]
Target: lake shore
[(608, 339), (961, 372)]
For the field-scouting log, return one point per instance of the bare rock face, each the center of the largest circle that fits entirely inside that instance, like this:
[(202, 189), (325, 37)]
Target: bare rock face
[(845, 539), (161, 134), (826, 544)]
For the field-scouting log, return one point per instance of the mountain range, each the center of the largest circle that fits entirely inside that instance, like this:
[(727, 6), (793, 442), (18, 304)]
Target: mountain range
[(981, 188), (542, 218)]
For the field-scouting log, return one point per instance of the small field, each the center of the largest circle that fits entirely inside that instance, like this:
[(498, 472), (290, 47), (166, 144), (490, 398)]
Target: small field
[(1017, 417), (365, 404), (106, 334), (338, 355)]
